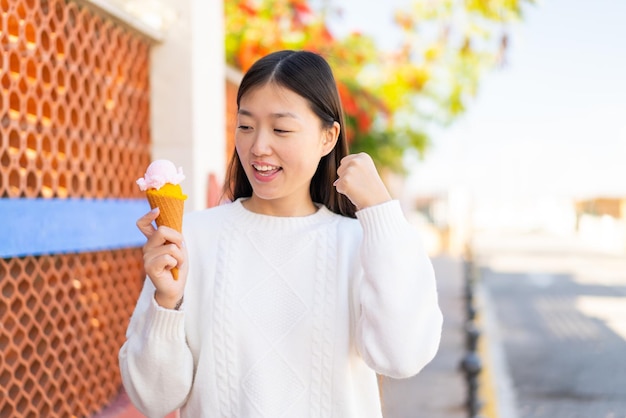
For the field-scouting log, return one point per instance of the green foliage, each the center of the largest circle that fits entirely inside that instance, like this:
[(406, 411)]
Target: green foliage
[(392, 99)]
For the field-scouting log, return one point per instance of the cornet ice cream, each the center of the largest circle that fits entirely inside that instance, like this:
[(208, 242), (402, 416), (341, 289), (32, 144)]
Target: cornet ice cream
[(161, 182)]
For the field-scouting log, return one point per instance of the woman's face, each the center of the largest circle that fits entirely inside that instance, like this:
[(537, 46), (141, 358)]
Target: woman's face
[(280, 142)]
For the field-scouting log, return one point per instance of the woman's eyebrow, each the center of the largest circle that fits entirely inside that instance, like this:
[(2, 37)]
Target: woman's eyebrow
[(277, 115), (284, 115)]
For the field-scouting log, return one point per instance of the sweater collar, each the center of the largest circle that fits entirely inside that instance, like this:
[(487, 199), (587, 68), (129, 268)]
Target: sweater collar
[(322, 215)]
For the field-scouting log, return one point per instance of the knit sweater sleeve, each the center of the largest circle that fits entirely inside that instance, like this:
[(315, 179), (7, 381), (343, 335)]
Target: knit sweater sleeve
[(398, 320), (155, 361)]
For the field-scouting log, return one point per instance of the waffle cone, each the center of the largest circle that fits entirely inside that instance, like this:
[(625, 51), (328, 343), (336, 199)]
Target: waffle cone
[(171, 210)]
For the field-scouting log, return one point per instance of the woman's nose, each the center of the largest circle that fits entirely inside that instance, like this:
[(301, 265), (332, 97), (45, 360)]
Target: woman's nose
[(262, 143)]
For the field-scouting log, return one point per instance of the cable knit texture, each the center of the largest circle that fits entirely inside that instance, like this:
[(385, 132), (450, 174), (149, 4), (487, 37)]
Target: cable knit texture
[(286, 317)]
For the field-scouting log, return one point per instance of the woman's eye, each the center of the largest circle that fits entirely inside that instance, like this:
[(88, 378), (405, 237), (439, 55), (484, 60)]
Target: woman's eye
[(244, 127), (281, 131)]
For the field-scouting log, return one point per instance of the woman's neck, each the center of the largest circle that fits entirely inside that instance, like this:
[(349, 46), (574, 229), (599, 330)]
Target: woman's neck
[(280, 207)]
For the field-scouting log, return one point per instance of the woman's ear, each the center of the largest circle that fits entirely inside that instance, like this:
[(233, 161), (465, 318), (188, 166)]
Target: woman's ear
[(331, 135)]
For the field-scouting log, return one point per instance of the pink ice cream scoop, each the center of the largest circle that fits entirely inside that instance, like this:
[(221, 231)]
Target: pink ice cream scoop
[(159, 173)]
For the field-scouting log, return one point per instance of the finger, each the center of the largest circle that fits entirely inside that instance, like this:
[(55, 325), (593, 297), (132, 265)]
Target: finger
[(341, 170), (163, 235), (342, 165), (340, 185), (171, 250), (342, 189), (166, 248), (171, 235), (349, 161), (157, 264), (345, 173), (350, 158), (170, 262), (145, 223)]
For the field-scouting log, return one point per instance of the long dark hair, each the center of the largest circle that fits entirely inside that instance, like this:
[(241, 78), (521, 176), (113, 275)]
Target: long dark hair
[(308, 75)]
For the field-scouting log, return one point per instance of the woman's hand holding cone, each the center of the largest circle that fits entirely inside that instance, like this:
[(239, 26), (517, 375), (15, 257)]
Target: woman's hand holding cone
[(163, 251)]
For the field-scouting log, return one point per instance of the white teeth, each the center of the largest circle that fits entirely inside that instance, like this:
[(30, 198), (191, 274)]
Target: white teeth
[(265, 167)]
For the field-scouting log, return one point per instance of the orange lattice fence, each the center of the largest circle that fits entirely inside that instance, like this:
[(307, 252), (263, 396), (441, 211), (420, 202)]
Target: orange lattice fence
[(74, 135), (63, 320), (75, 115)]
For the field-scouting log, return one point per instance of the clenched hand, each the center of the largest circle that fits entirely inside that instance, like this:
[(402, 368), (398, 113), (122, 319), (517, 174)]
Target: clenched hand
[(358, 179)]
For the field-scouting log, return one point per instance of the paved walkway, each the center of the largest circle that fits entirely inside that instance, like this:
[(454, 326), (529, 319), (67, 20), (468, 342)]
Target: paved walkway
[(438, 391)]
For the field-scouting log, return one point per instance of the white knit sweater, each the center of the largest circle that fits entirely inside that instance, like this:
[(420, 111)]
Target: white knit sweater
[(286, 317)]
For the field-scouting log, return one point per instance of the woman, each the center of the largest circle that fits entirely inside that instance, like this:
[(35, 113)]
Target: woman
[(286, 305)]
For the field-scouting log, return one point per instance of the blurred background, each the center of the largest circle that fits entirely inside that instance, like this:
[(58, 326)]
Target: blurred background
[(499, 124)]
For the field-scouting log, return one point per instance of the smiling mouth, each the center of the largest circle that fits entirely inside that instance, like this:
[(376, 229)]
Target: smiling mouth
[(266, 170)]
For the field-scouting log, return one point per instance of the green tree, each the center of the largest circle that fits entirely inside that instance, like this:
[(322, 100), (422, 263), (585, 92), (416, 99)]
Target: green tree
[(392, 98)]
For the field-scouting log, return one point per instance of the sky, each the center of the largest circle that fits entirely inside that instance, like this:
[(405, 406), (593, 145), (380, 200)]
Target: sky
[(552, 122)]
